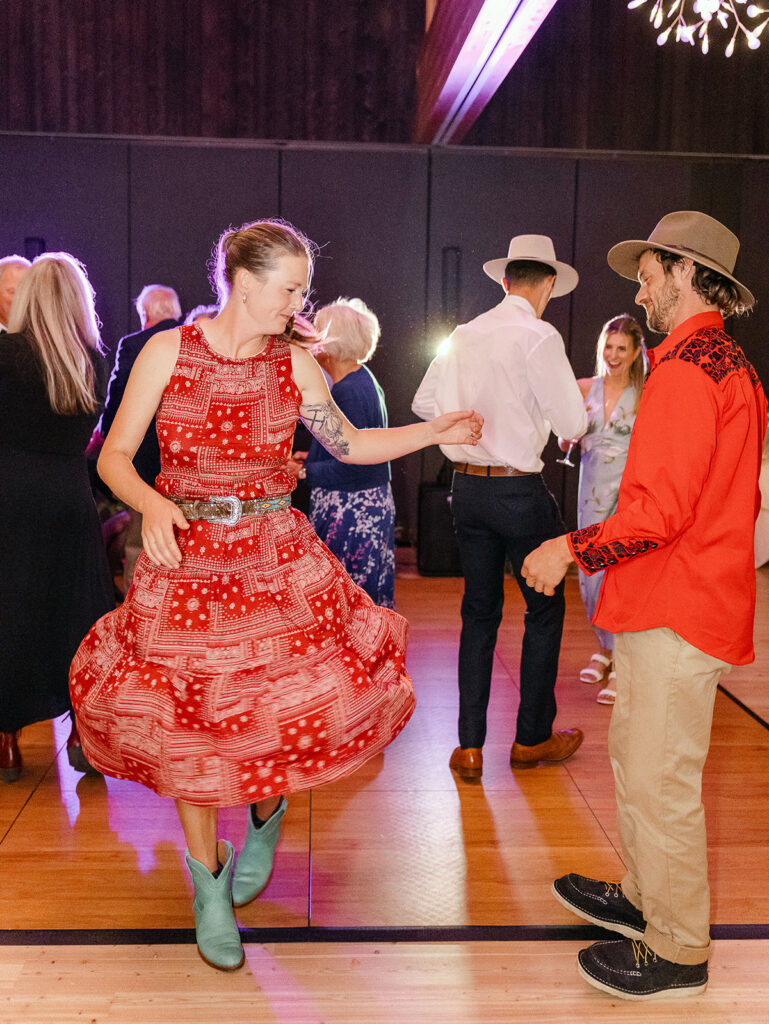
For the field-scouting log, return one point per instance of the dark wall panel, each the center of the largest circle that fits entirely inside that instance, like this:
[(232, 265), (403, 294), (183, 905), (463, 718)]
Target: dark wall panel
[(73, 195), (478, 201), (143, 211), (625, 198), (752, 268), (182, 198), (367, 209), (616, 200)]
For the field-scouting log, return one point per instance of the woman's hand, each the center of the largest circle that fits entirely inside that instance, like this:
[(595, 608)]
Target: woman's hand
[(159, 517), (458, 428)]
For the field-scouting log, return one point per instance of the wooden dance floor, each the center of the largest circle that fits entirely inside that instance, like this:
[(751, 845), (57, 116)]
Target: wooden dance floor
[(400, 894)]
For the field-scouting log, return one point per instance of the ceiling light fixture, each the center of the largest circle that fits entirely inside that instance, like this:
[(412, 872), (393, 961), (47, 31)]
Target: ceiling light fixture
[(705, 16)]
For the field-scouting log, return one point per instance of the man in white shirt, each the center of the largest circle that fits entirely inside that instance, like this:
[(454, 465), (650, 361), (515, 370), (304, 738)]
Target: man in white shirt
[(512, 367)]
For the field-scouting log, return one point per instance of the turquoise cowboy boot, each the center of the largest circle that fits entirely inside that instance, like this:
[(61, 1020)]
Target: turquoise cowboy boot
[(252, 871), (215, 928)]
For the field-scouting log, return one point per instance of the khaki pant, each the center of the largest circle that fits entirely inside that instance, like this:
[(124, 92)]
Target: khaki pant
[(658, 742)]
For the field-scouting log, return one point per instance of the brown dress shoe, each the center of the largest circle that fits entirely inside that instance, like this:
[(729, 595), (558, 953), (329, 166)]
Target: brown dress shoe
[(10, 756), (467, 762), (559, 747)]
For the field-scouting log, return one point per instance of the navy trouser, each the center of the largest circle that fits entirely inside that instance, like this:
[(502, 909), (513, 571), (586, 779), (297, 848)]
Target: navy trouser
[(496, 517)]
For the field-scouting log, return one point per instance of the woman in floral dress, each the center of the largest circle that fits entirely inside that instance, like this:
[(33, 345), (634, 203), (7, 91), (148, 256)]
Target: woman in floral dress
[(611, 400), (351, 507), (244, 663)]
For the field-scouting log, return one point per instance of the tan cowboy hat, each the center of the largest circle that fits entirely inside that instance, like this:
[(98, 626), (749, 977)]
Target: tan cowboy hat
[(686, 233), (540, 249)]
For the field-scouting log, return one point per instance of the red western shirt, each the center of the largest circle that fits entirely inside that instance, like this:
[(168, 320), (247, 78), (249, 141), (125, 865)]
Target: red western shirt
[(679, 549)]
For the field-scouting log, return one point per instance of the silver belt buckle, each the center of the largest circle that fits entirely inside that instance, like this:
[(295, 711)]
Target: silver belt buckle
[(233, 503)]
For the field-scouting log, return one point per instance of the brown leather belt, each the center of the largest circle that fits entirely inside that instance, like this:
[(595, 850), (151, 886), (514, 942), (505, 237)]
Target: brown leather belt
[(468, 467), (229, 509)]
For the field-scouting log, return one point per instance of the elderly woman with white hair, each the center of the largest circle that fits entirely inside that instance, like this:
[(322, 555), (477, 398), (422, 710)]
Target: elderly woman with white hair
[(351, 507)]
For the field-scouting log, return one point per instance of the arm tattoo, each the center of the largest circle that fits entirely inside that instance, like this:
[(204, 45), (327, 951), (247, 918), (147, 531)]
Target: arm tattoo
[(325, 425)]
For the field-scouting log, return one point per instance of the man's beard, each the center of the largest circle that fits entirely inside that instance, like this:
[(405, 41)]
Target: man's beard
[(660, 315)]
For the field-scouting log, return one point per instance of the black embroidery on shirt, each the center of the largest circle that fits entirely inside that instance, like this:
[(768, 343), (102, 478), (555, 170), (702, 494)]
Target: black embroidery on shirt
[(713, 351), (600, 556), (584, 535)]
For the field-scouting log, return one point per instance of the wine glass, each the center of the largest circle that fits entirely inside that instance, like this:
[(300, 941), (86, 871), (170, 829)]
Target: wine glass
[(566, 460)]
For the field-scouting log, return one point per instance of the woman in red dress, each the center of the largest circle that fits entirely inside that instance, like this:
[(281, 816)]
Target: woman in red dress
[(244, 663)]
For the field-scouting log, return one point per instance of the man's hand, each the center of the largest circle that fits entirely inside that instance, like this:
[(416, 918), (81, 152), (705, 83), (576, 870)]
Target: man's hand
[(295, 465), (546, 566)]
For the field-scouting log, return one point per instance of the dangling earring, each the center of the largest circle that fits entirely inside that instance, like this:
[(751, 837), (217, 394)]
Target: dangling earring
[(244, 298)]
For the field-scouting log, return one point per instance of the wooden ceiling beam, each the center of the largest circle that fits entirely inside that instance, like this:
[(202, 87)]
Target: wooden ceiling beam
[(468, 51)]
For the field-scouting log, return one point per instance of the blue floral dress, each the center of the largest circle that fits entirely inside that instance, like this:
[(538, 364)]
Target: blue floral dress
[(359, 528), (351, 507), (604, 453)]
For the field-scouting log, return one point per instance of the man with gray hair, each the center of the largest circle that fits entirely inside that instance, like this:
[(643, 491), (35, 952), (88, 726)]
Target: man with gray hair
[(12, 268), (157, 302), (159, 310)]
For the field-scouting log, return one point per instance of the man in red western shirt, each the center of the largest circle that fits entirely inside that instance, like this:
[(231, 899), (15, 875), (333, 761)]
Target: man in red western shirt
[(680, 595)]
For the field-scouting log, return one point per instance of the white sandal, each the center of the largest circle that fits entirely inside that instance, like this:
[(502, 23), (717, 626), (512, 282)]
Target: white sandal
[(609, 693), (592, 675)]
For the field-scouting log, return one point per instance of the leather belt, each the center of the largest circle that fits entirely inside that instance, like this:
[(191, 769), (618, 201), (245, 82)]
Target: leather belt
[(229, 509), (469, 468)]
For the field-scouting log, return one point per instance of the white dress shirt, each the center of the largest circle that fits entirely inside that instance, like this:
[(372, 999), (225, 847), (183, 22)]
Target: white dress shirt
[(511, 368)]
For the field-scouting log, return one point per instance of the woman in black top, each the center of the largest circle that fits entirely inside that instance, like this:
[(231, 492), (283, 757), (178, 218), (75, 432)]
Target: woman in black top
[(54, 579)]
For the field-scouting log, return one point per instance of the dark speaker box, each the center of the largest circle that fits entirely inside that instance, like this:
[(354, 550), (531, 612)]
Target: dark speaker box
[(437, 553)]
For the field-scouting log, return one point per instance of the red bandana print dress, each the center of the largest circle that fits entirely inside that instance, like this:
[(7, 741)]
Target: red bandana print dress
[(257, 667)]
